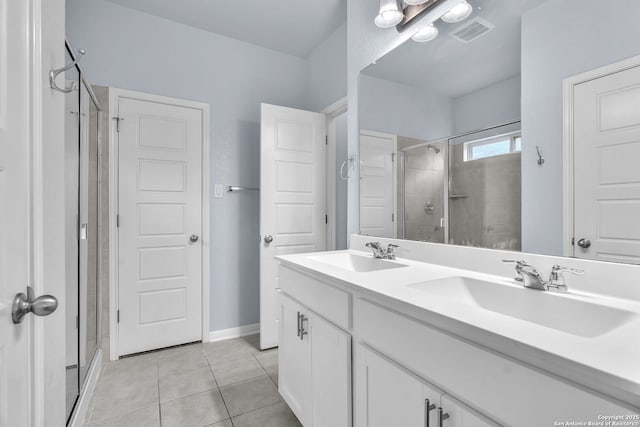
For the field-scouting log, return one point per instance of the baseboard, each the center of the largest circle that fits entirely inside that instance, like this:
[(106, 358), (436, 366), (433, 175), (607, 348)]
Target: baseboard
[(240, 331), (82, 408)]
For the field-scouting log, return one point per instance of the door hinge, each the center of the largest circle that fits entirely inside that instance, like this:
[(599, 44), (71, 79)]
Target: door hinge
[(326, 219), (117, 220), (118, 316), (393, 217), (573, 241), (393, 157), (326, 140), (118, 120)]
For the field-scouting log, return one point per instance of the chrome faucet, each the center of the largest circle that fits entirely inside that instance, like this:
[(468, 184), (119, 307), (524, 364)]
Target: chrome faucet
[(381, 253), (531, 278)]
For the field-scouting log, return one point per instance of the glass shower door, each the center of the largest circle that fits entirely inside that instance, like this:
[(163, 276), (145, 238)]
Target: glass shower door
[(422, 192)]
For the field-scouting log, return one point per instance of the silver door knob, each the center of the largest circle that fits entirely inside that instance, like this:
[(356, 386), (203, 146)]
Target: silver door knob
[(584, 243), (23, 304), (268, 239), (193, 238)]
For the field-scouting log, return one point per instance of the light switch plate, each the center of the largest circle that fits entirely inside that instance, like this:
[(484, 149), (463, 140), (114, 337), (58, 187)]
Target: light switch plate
[(218, 190)]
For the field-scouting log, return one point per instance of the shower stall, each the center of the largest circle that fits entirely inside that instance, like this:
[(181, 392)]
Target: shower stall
[(463, 190), (82, 202)]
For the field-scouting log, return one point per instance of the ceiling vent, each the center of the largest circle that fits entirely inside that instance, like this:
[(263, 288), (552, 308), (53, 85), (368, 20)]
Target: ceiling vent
[(472, 30)]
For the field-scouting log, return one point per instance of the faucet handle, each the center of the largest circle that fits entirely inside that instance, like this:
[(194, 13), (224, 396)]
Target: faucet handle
[(392, 246), (558, 268), (519, 263), (390, 254)]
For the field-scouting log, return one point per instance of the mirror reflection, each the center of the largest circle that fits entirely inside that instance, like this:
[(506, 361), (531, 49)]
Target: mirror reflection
[(508, 130)]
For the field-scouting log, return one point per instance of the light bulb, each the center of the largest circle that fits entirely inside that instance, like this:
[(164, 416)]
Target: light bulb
[(426, 34), (389, 14), (460, 12)]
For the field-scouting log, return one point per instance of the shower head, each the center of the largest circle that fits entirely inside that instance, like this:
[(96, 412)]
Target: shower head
[(433, 148)]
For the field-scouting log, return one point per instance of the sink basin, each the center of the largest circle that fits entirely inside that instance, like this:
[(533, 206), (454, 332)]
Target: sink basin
[(556, 311), (357, 263)]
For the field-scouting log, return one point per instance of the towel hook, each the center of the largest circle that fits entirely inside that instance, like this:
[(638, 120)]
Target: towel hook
[(351, 159), (540, 158), (53, 74)]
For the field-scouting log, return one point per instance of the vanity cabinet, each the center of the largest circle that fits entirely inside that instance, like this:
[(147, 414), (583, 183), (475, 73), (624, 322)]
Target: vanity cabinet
[(314, 366), (389, 396)]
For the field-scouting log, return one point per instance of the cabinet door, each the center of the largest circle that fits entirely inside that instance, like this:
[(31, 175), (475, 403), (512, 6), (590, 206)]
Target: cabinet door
[(331, 373), (294, 362), (386, 395), (459, 416)]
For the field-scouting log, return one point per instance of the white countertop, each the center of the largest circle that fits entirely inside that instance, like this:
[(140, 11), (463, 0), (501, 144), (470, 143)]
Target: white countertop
[(608, 363)]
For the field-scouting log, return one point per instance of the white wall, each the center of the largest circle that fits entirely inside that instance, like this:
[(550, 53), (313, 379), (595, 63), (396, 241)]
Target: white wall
[(327, 71), (561, 38), (489, 106), (398, 109), (132, 50)]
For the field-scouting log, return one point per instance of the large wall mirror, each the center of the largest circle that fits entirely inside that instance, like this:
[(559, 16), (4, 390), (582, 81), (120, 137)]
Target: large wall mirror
[(517, 128)]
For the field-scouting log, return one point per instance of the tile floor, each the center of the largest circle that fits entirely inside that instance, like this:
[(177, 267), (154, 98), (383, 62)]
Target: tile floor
[(223, 384)]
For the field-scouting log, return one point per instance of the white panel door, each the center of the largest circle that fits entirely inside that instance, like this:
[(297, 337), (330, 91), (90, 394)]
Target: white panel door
[(15, 233), (160, 210), (377, 185), (607, 175), (292, 199)]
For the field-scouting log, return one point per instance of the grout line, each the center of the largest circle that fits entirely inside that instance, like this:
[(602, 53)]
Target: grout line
[(224, 402)]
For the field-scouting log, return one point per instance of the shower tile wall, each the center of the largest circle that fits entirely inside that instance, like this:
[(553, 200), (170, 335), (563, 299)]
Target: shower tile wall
[(423, 191), (490, 216)]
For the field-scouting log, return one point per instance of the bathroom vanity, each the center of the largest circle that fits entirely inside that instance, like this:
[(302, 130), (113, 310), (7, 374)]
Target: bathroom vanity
[(420, 341)]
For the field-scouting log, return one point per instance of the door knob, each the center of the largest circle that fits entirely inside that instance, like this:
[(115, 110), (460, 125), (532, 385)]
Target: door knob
[(23, 304), (268, 239), (584, 243), (193, 238)]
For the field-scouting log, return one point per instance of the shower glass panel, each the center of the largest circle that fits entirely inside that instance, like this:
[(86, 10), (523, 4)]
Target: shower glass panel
[(88, 293), (421, 191), (82, 242), (484, 188), (72, 179)]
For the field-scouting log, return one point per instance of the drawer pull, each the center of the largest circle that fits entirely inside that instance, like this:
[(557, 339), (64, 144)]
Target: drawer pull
[(299, 323), (303, 319), (428, 407), (442, 417)]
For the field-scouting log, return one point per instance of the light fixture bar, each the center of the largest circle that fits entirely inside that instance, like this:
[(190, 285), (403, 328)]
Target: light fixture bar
[(413, 13)]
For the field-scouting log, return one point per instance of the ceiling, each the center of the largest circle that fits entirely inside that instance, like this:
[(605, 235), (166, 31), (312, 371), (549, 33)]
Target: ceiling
[(451, 68), (292, 27)]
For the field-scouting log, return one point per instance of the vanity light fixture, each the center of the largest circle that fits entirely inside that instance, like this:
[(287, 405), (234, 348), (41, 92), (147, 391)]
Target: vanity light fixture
[(389, 14), (426, 34), (460, 12), (403, 13)]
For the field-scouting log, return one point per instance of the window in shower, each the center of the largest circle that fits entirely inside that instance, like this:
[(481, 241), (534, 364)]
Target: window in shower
[(492, 147)]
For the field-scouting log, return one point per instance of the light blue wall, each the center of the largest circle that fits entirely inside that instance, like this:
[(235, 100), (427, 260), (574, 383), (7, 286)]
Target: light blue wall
[(398, 109), (132, 50), (561, 38), (327, 71), (489, 106)]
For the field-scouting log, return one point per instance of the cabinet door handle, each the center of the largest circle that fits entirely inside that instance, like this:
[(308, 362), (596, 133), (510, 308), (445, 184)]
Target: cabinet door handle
[(299, 323), (428, 407), (303, 319), (441, 417)]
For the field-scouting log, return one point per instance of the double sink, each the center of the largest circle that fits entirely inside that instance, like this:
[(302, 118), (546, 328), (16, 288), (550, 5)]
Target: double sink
[(562, 312)]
